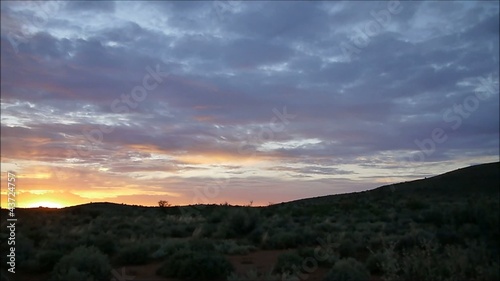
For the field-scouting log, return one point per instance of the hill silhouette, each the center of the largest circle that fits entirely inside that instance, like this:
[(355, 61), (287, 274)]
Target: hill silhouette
[(482, 178), (447, 224)]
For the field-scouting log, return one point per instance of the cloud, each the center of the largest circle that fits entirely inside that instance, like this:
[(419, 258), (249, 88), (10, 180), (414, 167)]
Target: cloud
[(231, 66)]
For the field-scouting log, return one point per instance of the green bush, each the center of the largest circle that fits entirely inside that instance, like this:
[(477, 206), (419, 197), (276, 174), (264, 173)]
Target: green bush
[(207, 230), (25, 249), (347, 248), (83, 263), (282, 240), (448, 237), (288, 263), (375, 262), (47, 259), (181, 231), (435, 262), (3, 276), (327, 259), (253, 275), (414, 239), (217, 216), (256, 236), (201, 245), (105, 243), (193, 265), (415, 204), (243, 221), (230, 247), (432, 216), (348, 270), (169, 248), (134, 254)]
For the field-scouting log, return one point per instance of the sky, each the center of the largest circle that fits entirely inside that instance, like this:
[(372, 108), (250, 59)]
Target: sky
[(242, 102)]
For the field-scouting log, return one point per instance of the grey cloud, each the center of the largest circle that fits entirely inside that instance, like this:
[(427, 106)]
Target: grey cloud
[(227, 74)]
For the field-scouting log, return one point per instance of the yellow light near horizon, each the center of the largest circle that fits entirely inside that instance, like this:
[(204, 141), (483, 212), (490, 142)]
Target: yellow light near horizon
[(46, 204)]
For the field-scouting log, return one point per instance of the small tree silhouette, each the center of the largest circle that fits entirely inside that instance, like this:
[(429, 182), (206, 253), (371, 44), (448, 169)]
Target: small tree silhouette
[(163, 204)]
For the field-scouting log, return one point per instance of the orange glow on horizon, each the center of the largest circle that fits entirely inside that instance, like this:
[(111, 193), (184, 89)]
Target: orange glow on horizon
[(46, 204)]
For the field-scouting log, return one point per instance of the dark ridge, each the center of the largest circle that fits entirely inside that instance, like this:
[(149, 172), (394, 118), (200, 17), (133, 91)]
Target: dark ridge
[(482, 178)]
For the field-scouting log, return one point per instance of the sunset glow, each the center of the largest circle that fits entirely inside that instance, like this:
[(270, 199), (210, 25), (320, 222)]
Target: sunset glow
[(45, 204), (136, 102)]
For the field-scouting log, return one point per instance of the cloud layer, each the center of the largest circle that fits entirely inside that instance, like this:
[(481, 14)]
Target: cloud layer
[(142, 101)]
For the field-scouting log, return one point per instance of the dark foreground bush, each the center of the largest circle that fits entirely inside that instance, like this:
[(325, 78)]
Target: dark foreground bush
[(375, 262), (348, 270), (243, 221), (134, 254), (83, 264), (323, 258), (434, 262), (47, 259), (288, 263), (282, 240), (193, 265)]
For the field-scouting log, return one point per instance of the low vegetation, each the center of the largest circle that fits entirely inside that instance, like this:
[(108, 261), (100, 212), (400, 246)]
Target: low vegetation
[(189, 264), (440, 228), (82, 264)]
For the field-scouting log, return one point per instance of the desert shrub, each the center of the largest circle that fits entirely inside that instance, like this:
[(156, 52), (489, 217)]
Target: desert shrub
[(489, 272), (347, 248), (256, 236), (448, 237), (125, 233), (207, 230), (348, 270), (123, 225), (169, 248), (25, 253), (469, 230), (415, 204), (411, 264), (433, 262), (307, 237), (181, 231), (432, 216), (376, 242), (375, 262), (230, 247), (282, 240), (217, 216), (83, 263), (134, 254), (25, 248), (324, 227), (415, 238), (47, 259), (288, 263), (323, 259), (31, 265), (243, 221), (192, 265), (201, 245), (105, 243), (253, 275), (222, 231), (3, 276)]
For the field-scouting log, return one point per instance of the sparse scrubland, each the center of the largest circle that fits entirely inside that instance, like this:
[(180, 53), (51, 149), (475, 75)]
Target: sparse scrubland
[(440, 228)]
